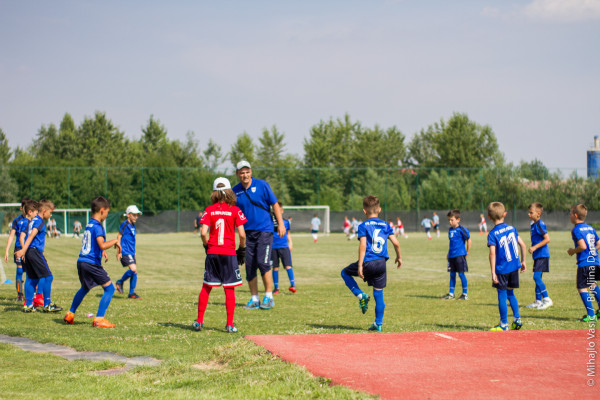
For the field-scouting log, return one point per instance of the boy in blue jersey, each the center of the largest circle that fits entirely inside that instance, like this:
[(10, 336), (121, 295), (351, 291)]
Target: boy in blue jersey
[(586, 243), (541, 256), (18, 225), (282, 247), (504, 243), (373, 235), (126, 238), (89, 264), (35, 264), (457, 254)]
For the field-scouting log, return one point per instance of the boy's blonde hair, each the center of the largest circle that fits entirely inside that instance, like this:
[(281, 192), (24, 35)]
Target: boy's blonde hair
[(496, 211), (223, 196), (371, 204), (537, 206), (45, 204), (581, 211)]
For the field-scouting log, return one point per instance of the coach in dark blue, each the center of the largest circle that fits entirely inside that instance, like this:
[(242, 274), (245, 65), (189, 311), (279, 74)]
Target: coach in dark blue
[(255, 198)]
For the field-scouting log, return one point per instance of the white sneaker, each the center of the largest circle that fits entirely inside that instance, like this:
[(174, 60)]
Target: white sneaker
[(547, 302), (535, 304)]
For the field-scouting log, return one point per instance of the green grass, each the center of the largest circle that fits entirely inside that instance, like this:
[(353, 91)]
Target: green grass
[(213, 364)]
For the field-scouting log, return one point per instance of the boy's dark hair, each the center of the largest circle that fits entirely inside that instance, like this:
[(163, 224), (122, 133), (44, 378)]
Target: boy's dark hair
[(581, 211), (30, 205), (496, 211), (371, 204), (537, 206), (454, 213), (223, 196), (45, 204), (24, 200), (98, 203)]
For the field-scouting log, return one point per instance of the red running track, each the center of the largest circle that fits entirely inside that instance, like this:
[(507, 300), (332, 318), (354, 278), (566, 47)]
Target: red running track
[(449, 365)]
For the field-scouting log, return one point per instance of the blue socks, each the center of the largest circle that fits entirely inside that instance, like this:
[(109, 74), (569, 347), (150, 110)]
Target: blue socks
[(276, 278), (379, 306), (514, 304), (585, 297), (47, 289), (126, 276), (351, 283), (133, 283), (290, 272), (78, 299), (105, 300), (463, 281), (502, 296), (19, 276), (452, 282), (540, 286), (40, 286), (30, 285)]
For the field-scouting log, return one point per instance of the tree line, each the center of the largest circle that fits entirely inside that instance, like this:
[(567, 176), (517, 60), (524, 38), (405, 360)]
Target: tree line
[(454, 163)]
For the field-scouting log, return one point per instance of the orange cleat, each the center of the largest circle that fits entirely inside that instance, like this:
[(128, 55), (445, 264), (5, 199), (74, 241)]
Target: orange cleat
[(292, 289), (69, 318), (101, 322)]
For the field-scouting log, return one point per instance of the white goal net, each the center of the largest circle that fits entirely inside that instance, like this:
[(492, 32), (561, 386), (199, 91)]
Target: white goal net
[(302, 215)]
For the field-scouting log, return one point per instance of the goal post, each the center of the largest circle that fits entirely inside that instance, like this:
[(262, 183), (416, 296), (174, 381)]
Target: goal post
[(66, 217), (302, 215)]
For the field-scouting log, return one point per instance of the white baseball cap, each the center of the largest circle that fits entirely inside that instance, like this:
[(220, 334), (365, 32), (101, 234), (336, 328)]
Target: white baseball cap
[(221, 180), (242, 164), (132, 210)]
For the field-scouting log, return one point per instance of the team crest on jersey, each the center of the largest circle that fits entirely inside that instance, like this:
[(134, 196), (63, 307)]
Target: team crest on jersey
[(253, 189)]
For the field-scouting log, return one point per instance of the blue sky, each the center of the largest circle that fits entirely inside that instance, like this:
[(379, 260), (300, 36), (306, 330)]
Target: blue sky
[(527, 68)]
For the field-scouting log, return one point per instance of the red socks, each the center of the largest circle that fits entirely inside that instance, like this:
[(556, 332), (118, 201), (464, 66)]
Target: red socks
[(203, 302), (229, 304)]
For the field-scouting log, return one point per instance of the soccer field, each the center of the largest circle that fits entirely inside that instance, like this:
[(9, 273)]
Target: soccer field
[(213, 364)]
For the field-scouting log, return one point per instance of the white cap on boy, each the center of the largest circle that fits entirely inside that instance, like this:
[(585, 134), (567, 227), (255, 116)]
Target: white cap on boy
[(219, 181), (132, 210)]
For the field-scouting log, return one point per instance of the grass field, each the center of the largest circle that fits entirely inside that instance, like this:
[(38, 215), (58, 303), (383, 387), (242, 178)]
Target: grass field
[(213, 364)]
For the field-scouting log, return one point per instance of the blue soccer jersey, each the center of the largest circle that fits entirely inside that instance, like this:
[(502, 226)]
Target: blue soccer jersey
[(127, 230), (590, 255), (39, 241), (506, 240), (19, 224), (90, 250), (377, 232), (458, 237), (538, 230), (259, 219), (282, 242)]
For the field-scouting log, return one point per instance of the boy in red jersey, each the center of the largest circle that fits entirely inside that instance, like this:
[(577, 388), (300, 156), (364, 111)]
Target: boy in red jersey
[(222, 260)]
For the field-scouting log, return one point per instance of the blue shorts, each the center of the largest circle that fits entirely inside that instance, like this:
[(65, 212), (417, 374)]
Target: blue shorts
[(314, 231), (17, 259), (282, 254), (35, 265), (374, 272), (127, 260), (541, 264), (258, 253), (505, 281), (458, 264), (91, 275), (586, 276), (427, 230), (221, 269)]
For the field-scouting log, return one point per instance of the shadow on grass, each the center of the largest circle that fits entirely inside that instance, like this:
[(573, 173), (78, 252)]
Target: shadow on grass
[(344, 327), (222, 304), (187, 327), (539, 316), (424, 296), (461, 327)]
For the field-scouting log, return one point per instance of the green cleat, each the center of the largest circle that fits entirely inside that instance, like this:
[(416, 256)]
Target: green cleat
[(516, 325), (499, 327), (363, 303), (375, 327), (587, 318), (29, 309), (197, 326)]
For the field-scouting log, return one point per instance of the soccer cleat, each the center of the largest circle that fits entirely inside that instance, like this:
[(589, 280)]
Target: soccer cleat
[(231, 329), (101, 322), (546, 303), (363, 303), (292, 289), (535, 304), (69, 318), (133, 296), (52, 308), (197, 325), (20, 297), (500, 327), (598, 314), (516, 325), (120, 287), (29, 309), (449, 296), (586, 318), (375, 327), (463, 297), (267, 303), (276, 291), (252, 305)]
